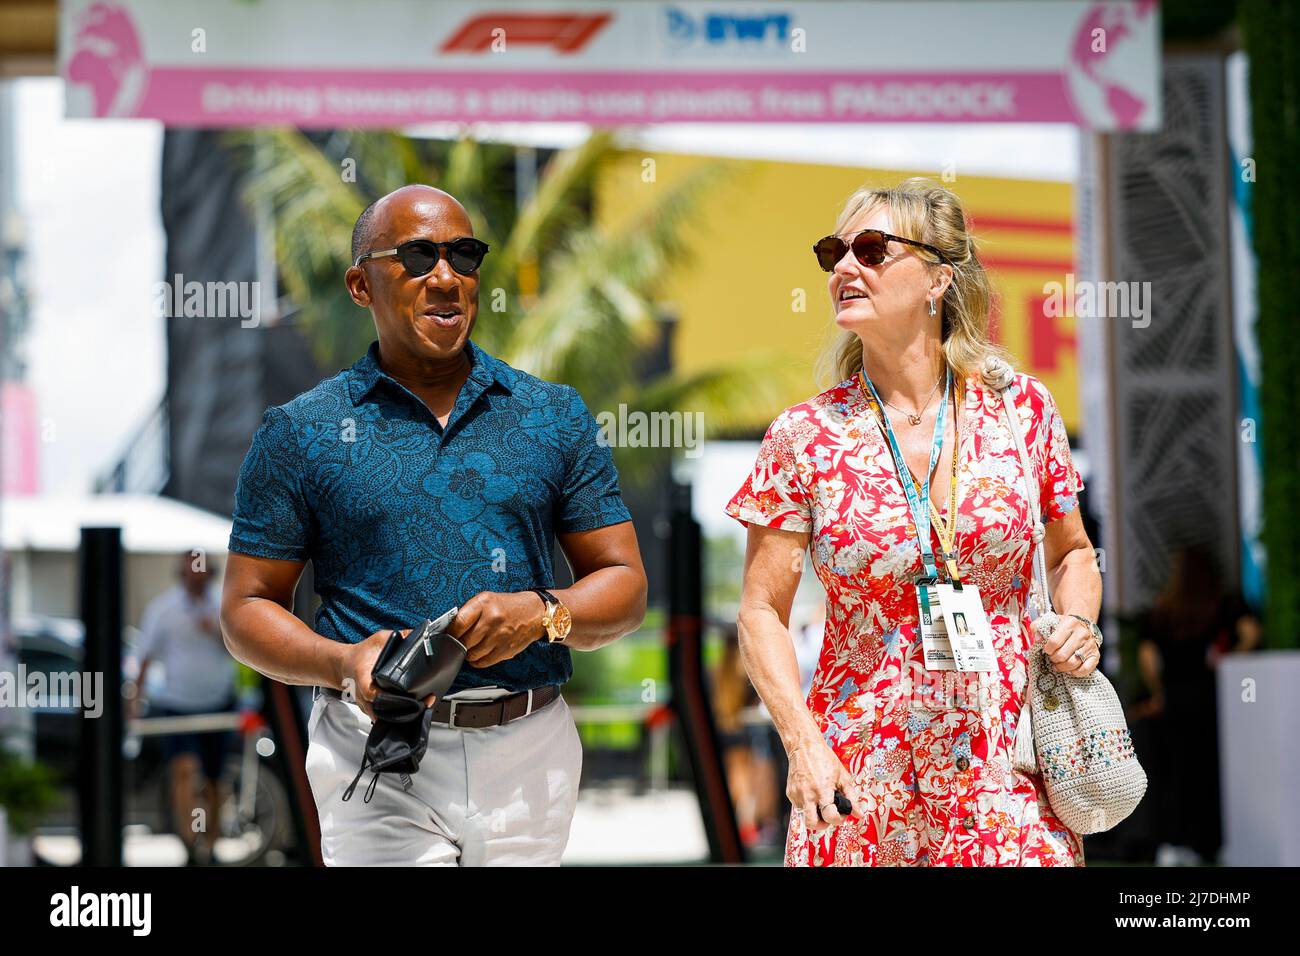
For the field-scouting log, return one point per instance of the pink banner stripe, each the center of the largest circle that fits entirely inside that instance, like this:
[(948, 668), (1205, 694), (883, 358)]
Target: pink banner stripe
[(20, 439), (323, 98)]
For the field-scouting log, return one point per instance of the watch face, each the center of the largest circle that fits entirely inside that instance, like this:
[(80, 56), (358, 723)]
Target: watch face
[(1093, 629), (562, 621)]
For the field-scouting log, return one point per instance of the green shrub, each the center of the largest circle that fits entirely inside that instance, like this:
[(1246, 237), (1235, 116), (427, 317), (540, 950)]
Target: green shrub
[(27, 789)]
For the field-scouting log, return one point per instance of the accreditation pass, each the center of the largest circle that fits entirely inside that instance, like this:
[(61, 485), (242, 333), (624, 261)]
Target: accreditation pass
[(967, 628)]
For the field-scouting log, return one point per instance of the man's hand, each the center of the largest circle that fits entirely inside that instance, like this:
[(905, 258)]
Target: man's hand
[(355, 667), (496, 626)]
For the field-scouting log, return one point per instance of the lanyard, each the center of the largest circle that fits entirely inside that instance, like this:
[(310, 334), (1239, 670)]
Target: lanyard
[(920, 514), (948, 530)]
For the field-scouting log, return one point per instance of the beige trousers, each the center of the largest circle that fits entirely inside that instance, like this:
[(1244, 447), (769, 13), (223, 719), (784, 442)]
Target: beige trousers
[(491, 796)]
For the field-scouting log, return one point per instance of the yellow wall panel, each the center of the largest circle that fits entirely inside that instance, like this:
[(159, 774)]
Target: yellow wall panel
[(751, 239)]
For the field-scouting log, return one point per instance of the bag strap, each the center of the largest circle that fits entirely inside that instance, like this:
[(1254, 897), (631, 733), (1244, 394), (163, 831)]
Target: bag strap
[(1033, 494), (1000, 377)]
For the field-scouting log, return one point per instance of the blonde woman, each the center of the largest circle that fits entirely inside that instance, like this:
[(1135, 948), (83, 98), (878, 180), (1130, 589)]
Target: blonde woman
[(917, 735)]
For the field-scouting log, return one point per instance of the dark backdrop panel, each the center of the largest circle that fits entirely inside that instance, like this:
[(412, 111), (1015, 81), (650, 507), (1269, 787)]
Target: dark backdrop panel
[(220, 376)]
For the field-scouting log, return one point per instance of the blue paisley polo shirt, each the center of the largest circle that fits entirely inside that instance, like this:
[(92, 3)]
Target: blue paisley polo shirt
[(402, 518)]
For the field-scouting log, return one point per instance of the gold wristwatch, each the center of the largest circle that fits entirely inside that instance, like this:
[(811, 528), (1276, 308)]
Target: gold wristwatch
[(555, 617)]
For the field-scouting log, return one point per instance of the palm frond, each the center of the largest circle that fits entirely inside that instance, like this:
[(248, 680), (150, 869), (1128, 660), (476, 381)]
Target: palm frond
[(626, 270), (313, 209), (552, 207)]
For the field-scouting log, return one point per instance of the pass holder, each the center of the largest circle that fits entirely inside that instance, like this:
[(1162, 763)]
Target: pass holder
[(950, 565), (934, 630)]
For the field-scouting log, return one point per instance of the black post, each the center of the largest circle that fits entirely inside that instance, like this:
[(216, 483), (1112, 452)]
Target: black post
[(100, 774), (690, 699), (282, 711)]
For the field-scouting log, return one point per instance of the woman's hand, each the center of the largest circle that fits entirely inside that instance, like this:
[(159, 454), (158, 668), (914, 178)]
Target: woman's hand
[(815, 774), (1075, 581), (1072, 649)]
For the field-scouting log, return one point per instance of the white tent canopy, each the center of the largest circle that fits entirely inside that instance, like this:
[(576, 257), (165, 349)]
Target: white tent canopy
[(150, 525), (42, 537)]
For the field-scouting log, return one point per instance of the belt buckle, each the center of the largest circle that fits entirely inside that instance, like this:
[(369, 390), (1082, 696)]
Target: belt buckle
[(451, 718), (529, 710)]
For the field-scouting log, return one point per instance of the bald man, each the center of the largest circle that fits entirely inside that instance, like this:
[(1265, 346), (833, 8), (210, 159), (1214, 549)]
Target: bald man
[(432, 475)]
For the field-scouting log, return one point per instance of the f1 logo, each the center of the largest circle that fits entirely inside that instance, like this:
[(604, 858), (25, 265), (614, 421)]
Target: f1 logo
[(563, 32)]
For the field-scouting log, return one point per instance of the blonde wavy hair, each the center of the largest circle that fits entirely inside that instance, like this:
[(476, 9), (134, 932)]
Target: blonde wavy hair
[(921, 209)]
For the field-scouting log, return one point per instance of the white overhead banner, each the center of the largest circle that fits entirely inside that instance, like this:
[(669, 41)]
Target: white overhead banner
[(326, 63)]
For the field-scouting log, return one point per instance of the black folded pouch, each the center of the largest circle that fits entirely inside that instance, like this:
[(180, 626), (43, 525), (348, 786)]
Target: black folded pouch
[(426, 662)]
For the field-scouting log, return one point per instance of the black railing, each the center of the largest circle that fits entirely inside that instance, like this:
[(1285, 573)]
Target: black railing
[(144, 465)]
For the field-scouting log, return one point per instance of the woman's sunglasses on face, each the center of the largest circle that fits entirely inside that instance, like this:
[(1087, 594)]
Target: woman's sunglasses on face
[(419, 256), (868, 248)]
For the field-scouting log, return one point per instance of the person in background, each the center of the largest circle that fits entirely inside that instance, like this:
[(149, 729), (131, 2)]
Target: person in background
[(745, 746), (808, 645), (180, 629), (1193, 623)]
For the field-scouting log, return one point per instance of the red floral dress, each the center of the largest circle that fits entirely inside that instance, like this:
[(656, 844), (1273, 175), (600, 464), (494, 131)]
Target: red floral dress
[(930, 750)]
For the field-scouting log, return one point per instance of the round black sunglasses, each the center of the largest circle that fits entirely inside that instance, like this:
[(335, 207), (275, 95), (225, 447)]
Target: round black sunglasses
[(419, 256), (868, 248)]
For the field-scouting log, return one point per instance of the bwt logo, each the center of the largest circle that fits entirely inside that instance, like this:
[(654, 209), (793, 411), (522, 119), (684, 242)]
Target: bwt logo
[(562, 32), (726, 29)]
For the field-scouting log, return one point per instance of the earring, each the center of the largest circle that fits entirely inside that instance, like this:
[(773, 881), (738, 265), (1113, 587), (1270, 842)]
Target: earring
[(931, 301)]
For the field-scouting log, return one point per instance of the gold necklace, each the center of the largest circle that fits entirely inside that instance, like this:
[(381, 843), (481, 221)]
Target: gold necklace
[(916, 419)]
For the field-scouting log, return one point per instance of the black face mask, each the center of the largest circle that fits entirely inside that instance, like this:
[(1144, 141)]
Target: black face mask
[(394, 746)]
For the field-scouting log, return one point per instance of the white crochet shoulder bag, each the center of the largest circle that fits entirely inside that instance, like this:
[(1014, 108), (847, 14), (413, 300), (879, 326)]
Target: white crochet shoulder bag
[(1071, 729)]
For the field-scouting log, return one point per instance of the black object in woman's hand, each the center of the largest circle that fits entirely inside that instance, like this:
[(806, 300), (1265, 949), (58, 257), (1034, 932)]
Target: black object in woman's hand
[(842, 806)]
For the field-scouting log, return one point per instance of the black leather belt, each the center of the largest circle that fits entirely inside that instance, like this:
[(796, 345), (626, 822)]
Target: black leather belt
[(480, 713)]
